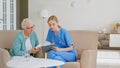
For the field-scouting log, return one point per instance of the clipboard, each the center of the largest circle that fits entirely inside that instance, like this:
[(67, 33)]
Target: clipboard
[(46, 48)]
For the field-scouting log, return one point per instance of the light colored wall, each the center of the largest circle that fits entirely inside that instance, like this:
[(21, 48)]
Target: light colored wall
[(85, 15)]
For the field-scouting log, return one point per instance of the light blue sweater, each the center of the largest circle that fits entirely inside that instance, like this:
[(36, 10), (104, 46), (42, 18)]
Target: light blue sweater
[(19, 47)]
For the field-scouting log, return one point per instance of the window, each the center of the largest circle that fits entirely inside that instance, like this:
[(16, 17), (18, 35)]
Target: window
[(7, 14)]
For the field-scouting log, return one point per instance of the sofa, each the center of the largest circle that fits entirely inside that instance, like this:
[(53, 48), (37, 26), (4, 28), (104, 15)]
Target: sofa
[(4, 57), (84, 41), (7, 37)]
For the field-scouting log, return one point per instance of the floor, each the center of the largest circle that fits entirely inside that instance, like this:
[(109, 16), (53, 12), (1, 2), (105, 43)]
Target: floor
[(108, 63), (108, 59)]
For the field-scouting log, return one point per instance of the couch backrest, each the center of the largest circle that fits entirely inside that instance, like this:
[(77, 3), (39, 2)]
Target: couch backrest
[(7, 38), (84, 39)]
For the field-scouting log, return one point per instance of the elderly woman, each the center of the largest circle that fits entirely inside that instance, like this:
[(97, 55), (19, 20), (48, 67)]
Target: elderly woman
[(25, 40)]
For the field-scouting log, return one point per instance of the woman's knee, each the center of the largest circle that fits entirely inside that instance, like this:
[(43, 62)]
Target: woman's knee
[(51, 54)]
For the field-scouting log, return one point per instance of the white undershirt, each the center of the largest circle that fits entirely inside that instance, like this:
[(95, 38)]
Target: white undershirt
[(28, 44)]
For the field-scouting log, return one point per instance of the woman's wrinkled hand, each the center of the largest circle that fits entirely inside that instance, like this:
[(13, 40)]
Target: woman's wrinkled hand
[(34, 50), (38, 49)]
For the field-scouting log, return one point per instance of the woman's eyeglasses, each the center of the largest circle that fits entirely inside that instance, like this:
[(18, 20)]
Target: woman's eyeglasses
[(30, 27)]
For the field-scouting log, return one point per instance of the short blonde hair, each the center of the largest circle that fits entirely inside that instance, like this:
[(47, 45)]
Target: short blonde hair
[(53, 18), (25, 23)]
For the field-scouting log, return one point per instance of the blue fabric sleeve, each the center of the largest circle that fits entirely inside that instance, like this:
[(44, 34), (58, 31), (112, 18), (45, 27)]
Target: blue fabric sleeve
[(49, 36), (16, 47), (35, 39), (68, 39)]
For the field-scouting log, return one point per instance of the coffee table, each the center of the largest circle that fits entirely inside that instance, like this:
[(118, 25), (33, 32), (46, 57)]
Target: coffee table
[(22, 62)]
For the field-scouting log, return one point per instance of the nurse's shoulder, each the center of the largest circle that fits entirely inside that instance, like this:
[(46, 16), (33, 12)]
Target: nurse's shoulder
[(64, 30), (50, 31)]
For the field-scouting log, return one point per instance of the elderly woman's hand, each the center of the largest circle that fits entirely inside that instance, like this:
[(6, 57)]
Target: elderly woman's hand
[(34, 50), (38, 49)]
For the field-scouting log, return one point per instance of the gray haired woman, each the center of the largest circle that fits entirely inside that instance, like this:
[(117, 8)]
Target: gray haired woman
[(25, 40)]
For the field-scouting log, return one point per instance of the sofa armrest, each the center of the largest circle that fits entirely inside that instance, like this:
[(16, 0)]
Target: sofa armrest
[(88, 59), (1, 62), (5, 57), (71, 65)]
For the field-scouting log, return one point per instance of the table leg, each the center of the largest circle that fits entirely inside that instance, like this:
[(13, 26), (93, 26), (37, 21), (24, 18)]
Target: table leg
[(45, 55)]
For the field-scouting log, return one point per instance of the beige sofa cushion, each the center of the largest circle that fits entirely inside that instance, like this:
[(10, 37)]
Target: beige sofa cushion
[(84, 40), (71, 65), (85, 43), (7, 37)]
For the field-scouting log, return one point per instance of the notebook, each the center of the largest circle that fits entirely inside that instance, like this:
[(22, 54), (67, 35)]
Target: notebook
[(46, 48)]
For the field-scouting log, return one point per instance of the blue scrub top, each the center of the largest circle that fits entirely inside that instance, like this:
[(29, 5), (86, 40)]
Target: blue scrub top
[(62, 39)]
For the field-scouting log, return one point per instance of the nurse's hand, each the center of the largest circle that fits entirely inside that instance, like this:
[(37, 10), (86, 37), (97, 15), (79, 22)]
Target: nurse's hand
[(63, 49), (56, 48)]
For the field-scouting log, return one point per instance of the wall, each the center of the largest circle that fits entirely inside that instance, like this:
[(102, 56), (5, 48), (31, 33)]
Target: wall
[(85, 15), (23, 9), (21, 12), (18, 14)]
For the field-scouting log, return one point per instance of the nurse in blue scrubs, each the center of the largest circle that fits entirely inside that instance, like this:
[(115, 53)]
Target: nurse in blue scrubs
[(63, 49)]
